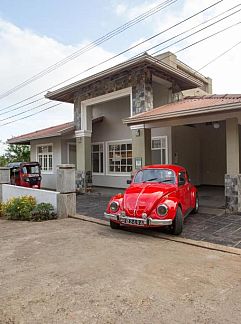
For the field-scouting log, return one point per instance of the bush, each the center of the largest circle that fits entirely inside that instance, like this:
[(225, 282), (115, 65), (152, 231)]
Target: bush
[(43, 211), (25, 208), (19, 208)]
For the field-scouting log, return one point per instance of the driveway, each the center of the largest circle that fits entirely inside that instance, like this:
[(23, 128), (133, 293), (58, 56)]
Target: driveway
[(210, 225), (69, 271)]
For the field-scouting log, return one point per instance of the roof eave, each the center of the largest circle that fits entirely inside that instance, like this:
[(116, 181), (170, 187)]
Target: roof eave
[(185, 113), (146, 58)]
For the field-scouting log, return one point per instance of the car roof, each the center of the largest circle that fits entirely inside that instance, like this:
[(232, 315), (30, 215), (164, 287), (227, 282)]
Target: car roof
[(174, 167)]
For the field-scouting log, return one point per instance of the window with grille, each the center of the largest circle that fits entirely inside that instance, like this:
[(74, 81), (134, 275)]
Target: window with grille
[(160, 143), (97, 152), (45, 157), (119, 156)]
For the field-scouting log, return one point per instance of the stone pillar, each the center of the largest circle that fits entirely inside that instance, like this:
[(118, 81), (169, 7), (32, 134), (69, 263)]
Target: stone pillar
[(4, 178), (232, 178), (141, 146), (83, 121), (142, 94), (66, 200), (232, 143)]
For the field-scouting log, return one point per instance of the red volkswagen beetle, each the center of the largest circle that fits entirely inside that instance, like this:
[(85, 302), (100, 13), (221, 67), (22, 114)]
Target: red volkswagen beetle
[(158, 195)]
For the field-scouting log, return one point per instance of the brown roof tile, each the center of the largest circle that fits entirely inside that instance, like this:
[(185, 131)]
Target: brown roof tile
[(46, 132), (191, 103)]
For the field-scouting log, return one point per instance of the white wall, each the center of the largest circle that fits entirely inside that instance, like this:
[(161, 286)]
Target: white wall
[(48, 178), (9, 191)]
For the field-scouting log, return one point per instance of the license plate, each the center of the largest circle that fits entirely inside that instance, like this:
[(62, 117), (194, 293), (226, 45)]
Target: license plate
[(139, 222)]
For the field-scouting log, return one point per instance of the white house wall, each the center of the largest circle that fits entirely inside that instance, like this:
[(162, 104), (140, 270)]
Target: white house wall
[(48, 178)]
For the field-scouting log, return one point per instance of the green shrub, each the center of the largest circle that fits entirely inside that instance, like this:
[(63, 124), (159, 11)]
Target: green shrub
[(25, 208), (19, 208), (43, 211)]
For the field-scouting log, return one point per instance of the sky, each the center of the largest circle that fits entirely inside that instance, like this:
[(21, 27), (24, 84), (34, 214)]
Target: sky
[(36, 34)]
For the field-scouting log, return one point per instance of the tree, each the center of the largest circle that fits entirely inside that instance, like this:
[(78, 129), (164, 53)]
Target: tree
[(3, 161), (17, 153)]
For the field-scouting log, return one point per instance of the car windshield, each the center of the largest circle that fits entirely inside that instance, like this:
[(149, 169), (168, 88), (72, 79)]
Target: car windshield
[(155, 175), (31, 169)]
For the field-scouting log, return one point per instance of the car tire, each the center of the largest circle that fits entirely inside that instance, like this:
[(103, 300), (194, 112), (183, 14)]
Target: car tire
[(196, 208), (177, 224), (114, 225)]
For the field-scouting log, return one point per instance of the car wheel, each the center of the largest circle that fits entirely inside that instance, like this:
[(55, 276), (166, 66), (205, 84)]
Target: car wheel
[(114, 225), (196, 208), (177, 224)]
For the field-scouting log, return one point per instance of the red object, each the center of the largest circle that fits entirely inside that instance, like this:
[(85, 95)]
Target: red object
[(159, 195), (25, 174)]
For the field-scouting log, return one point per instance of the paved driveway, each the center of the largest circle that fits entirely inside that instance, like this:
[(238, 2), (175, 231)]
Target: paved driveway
[(210, 225), (68, 271)]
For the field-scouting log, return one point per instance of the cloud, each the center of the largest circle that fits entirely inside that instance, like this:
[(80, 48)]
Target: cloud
[(25, 53), (120, 9)]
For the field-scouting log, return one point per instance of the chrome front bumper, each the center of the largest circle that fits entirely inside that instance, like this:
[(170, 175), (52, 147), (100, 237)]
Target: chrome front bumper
[(148, 221)]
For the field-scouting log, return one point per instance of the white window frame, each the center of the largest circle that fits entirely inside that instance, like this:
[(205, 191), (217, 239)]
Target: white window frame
[(116, 174), (37, 158), (159, 149), (68, 145), (98, 173)]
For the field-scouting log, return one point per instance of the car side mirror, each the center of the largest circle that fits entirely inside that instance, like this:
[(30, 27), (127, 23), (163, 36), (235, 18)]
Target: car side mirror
[(128, 181)]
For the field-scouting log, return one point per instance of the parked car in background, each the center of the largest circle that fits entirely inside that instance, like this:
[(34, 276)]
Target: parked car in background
[(25, 174), (158, 195)]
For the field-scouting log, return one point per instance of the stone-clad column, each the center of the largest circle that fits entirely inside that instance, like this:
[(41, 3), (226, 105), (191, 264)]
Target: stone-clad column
[(232, 178), (142, 94), (141, 146)]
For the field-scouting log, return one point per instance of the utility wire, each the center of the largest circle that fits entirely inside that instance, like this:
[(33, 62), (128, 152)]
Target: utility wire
[(220, 55), (115, 56), (90, 46), (191, 33), (32, 114), (157, 60)]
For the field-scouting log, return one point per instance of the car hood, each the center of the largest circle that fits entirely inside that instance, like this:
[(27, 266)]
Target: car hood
[(142, 198)]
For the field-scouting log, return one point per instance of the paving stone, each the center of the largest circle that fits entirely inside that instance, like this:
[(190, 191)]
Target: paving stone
[(220, 229)]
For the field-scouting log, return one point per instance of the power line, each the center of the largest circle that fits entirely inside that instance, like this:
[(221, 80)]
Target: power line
[(32, 114), (115, 56), (90, 46), (220, 55), (157, 60), (196, 32)]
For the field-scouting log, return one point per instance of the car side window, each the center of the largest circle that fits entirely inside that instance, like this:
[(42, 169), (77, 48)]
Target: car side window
[(139, 177), (181, 178)]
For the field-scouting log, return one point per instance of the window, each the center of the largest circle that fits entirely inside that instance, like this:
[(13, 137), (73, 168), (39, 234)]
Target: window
[(97, 157), (155, 175), (72, 153), (119, 156), (160, 143), (45, 157)]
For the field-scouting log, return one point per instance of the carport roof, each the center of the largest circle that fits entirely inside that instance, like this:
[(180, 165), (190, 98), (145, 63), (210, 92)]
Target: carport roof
[(192, 105)]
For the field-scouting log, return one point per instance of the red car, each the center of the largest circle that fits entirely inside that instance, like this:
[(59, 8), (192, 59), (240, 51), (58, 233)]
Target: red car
[(158, 195)]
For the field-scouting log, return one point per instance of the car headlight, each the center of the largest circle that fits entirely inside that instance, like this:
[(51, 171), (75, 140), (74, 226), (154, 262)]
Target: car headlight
[(162, 210), (27, 179), (114, 206)]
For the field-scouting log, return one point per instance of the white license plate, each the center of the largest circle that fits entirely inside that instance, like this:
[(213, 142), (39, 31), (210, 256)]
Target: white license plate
[(139, 222)]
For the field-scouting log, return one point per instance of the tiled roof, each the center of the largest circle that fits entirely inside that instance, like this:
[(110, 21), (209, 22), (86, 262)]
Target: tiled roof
[(189, 105), (43, 133)]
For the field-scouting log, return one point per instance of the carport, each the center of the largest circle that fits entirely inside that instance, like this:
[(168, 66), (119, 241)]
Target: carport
[(205, 138)]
